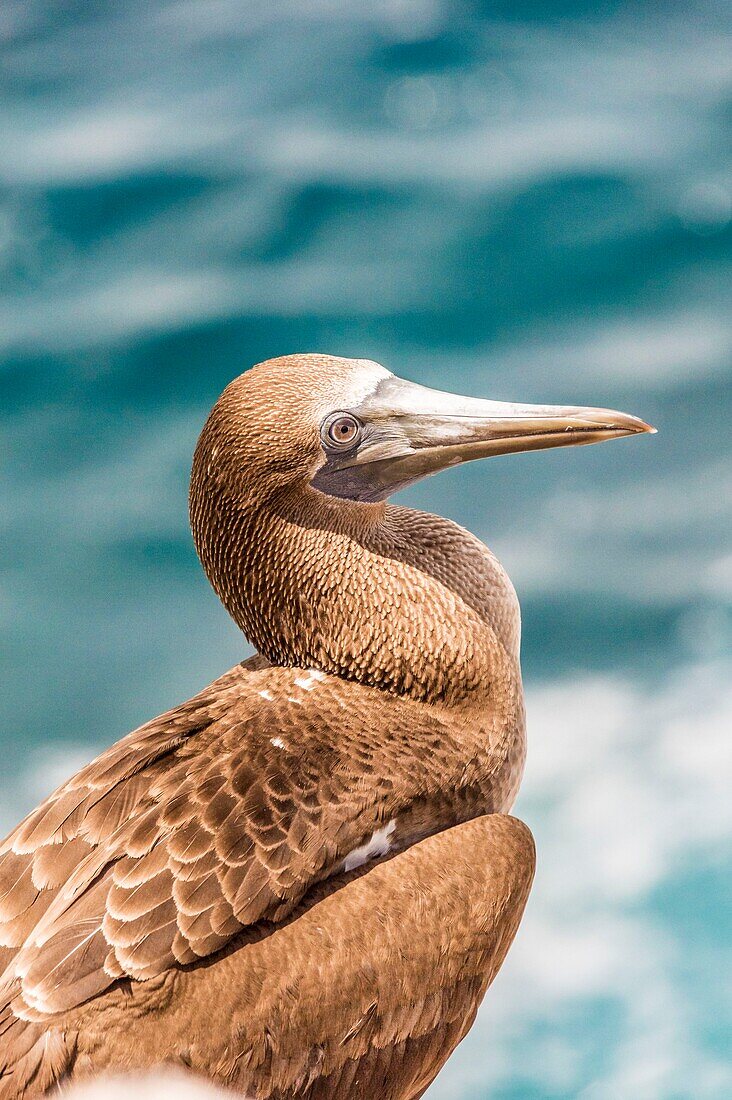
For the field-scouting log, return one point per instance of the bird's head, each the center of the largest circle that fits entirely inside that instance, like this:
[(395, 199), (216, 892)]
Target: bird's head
[(287, 508), (354, 431)]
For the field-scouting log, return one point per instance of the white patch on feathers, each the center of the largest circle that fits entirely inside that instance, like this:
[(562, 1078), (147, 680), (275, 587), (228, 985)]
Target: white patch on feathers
[(377, 846)]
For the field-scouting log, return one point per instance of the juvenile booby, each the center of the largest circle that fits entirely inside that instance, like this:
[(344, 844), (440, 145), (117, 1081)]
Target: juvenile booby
[(301, 881)]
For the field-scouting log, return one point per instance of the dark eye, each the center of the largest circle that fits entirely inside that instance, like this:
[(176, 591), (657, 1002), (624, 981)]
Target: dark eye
[(341, 430)]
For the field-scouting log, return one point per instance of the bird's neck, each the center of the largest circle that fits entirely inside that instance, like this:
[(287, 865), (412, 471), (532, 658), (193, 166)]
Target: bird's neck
[(384, 595)]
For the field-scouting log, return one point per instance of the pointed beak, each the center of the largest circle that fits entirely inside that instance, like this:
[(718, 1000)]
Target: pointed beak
[(411, 432)]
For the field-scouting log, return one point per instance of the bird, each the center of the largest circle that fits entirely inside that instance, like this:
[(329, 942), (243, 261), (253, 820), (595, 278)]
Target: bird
[(301, 881)]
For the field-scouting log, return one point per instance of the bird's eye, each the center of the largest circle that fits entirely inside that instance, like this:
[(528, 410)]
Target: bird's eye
[(341, 430)]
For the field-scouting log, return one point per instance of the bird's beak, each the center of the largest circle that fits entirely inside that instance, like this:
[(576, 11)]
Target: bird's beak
[(411, 432)]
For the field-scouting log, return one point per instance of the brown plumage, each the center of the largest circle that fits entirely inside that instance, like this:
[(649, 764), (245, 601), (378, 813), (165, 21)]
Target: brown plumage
[(212, 891)]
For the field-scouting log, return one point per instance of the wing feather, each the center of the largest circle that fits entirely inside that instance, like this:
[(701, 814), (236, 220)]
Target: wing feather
[(184, 833)]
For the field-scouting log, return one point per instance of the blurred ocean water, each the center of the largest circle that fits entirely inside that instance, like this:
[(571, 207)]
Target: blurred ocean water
[(521, 201)]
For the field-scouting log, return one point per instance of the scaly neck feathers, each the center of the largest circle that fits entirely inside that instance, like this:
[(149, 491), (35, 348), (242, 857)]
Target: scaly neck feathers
[(383, 595)]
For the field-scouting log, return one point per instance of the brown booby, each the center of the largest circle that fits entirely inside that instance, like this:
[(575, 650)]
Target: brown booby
[(301, 881)]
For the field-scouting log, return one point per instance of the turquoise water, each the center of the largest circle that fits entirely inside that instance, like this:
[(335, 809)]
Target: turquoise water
[(528, 202)]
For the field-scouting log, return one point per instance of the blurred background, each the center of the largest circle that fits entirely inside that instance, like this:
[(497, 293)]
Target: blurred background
[(520, 201)]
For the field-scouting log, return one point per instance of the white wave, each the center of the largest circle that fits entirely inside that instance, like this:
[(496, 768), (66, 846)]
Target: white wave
[(149, 301), (581, 537), (670, 349)]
